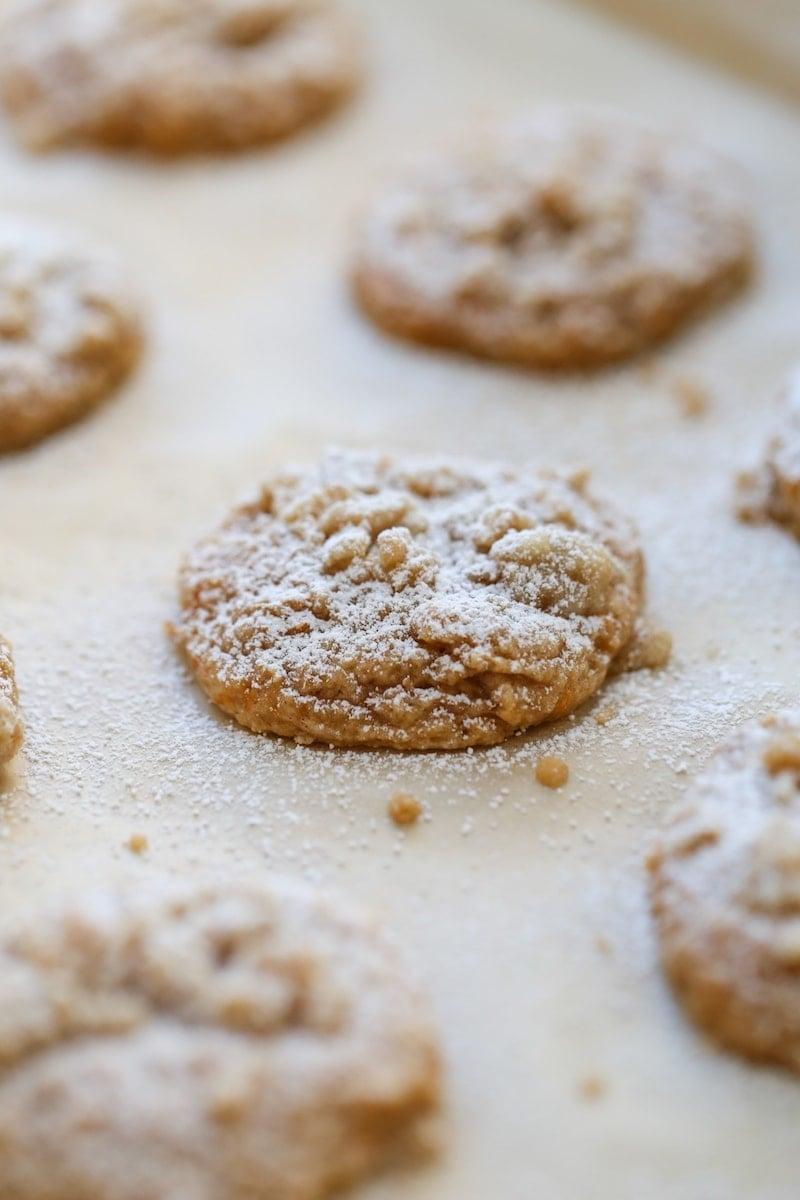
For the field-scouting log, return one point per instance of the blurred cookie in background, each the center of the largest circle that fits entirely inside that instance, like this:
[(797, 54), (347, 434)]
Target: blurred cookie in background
[(172, 77), (70, 329), (772, 491), (725, 889), (10, 719), (219, 1041), (568, 238)]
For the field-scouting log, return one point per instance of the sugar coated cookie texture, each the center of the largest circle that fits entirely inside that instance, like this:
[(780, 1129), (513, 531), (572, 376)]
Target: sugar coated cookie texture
[(208, 1042), (417, 604), (725, 882), (570, 237)]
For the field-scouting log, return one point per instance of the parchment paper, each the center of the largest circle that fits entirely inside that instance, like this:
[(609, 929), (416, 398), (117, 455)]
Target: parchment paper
[(521, 910)]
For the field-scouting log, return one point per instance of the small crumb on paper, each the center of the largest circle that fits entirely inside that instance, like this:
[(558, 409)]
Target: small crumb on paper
[(404, 809), (605, 714), (694, 399), (552, 772), (593, 1087)]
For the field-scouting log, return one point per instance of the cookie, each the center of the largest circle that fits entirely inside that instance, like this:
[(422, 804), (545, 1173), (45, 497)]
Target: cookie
[(415, 604), (205, 1043), (172, 77), (725, 884), (69, 330), (567, 239), (773, 491), (10, 720)]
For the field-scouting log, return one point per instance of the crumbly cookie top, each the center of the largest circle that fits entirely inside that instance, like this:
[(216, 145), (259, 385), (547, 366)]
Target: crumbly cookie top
[(278, 1025), (564, 202), (10, 720), (394, 588)]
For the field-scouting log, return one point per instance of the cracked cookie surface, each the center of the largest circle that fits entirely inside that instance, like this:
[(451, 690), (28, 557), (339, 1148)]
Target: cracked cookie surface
[(773, 491), (416, 604), (10, 719), (569, 238), (69, 330), (725, 886), (205, 1043), (172, 76)]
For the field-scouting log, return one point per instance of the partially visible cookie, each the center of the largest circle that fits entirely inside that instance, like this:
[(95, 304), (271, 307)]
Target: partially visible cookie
[(568, 238), (410, 603), (725, 884), (206, 1042), (172, 77), (69, 330), (773, 491), (10, 719)]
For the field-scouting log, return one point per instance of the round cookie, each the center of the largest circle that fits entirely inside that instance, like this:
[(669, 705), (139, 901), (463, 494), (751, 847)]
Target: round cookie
[(414, 604), (725, 885), (774, 490), (206, 1043), (10, 720), (69, 330), (172, 77), (569, 238)]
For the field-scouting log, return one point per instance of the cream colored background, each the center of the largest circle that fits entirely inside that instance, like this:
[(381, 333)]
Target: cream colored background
[(522, 910), (758, 39)]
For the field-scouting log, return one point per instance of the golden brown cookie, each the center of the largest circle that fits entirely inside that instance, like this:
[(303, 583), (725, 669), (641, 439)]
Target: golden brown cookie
[(725, 884), (773, 491), (569, 238), (69, 330), (172, 77), (205, 1043), (419, 604), (10, 719)]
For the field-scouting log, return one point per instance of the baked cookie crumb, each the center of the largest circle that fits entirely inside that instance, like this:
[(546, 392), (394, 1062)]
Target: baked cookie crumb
[(404, 809), (606, 714), (783, 754), (551, 771), (593, 1087), (649, 649), (694, 398), (11, 733)]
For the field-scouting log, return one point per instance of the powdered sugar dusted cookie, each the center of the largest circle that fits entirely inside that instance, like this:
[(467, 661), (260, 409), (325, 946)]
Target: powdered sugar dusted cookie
[(10, 720), (726, 893), (569, 238), (416, 604), (773, 491), (172, 76), (69, 330), (218, 1043)]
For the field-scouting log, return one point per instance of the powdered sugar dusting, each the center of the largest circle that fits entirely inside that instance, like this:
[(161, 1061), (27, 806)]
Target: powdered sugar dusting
[(414, 604)]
